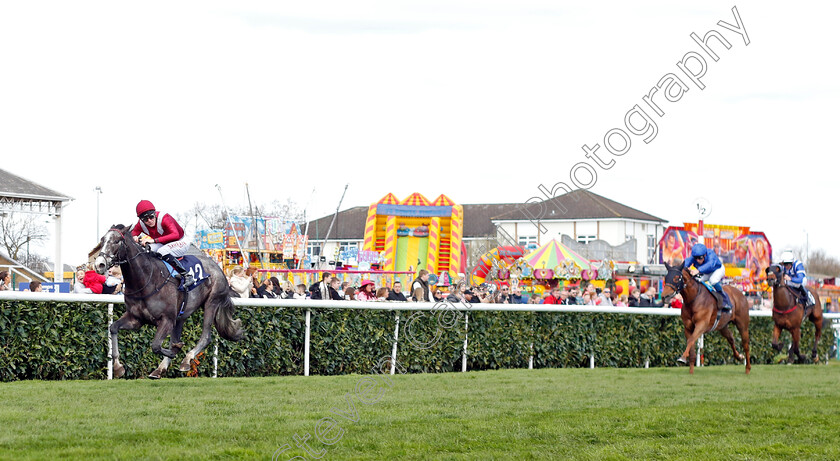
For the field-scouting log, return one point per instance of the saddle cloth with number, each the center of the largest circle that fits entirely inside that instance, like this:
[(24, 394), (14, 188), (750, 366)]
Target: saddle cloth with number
[(193, 265)]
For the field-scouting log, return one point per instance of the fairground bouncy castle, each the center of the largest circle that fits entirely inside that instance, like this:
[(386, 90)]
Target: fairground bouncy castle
[(415, 234)]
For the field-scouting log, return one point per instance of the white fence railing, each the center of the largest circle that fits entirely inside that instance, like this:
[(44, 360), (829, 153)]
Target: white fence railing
[(371, 305)]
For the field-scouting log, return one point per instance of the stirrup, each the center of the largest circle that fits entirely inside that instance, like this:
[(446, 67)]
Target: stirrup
[(188, 278)]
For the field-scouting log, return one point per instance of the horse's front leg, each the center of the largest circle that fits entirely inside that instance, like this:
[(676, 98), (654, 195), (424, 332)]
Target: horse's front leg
[(175, 344), (689, 354), (776, 332), (206, 336), (126, 322), (164, 328)]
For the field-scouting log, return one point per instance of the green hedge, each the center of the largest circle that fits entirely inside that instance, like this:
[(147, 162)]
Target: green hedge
[(69, 341)]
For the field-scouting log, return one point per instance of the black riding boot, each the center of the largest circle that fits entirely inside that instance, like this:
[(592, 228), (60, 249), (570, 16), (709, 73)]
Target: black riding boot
[(804, 296), (185, 276)]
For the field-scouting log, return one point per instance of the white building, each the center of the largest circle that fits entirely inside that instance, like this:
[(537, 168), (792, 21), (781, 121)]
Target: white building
[(603, 228), (595, 226)]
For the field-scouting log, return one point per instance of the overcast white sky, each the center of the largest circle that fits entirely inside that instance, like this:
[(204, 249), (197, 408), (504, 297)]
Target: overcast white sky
[(482, 101)]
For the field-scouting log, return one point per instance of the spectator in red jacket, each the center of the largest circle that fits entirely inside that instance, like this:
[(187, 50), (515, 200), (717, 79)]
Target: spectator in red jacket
[(93, 280), (553, 297), (676, 302)]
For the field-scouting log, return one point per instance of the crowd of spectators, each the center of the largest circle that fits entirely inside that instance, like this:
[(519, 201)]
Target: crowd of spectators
[(88, 281), (247, 284)]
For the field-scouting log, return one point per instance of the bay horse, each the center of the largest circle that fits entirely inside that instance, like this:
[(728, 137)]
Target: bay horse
[(700, 314), (152, 297), (788, 314)]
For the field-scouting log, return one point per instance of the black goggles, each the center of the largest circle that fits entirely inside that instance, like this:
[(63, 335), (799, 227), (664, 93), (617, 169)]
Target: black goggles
[(147, 215)]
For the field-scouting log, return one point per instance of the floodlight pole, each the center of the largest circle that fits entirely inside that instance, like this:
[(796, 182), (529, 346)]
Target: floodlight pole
[(98, 191), (245, 257)]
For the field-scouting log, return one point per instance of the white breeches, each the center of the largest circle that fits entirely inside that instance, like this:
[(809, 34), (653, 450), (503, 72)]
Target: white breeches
[(714, 277), (177, 248)]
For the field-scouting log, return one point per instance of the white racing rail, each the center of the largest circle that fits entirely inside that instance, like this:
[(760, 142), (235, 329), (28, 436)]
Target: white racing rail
[(309, 304)]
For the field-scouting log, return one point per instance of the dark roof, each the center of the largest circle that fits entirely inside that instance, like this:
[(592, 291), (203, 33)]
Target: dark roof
[(479, 217), (349, 225), (14, 186), (578, 204)]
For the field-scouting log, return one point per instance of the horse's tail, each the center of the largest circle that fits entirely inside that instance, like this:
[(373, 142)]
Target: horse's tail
[(228, 327)]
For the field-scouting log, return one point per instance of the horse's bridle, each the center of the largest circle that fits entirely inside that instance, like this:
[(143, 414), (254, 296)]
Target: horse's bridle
[(677, 288), (777, 278), (110, 262)]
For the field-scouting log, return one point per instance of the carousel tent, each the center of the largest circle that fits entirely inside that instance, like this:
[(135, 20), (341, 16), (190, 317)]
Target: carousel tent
[(553, 254)]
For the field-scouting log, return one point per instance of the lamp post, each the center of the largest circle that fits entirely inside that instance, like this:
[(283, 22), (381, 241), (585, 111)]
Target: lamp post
[(807, 255), (98, 191)]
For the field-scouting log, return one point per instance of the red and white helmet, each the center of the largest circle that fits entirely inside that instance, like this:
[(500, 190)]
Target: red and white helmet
[(144, 206)]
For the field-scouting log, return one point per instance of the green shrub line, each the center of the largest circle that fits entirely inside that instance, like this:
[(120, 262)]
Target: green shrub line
[(58, 340)]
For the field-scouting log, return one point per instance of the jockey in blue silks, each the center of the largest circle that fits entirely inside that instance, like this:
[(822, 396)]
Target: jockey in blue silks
[(795, 277), (708, 264)]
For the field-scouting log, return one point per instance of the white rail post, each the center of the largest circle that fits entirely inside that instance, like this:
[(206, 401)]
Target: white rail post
[(592, 348), (306, 346), (216, 358), (531, 358), (466, 330), (394, 350), (108, 338)]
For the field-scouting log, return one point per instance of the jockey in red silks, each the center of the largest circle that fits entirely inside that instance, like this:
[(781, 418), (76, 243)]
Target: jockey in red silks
[(164, 235)]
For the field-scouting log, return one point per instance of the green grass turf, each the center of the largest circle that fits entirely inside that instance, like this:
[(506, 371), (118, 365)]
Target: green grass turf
[(778, 412)]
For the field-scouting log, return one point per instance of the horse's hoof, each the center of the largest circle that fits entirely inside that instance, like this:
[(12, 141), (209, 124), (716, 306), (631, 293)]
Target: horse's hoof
[(739, 357), (682, 361), (186, 365), (155, 374), (119, 371)]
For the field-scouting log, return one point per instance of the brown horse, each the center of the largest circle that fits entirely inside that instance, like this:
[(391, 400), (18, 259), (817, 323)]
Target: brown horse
[(700, 314), (788, 315)]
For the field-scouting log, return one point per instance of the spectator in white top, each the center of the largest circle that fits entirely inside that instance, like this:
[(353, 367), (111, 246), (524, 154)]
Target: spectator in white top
[(79, 284), (5, 281), (240, 283)]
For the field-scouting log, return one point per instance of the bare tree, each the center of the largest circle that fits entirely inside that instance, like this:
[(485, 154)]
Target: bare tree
[(821, 263), (37, 263), (288, 210), (213, 216), (18, 230), (818, 262)]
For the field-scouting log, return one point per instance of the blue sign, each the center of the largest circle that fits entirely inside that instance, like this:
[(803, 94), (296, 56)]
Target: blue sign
[(412, 211), (211, 239), (48, 287)]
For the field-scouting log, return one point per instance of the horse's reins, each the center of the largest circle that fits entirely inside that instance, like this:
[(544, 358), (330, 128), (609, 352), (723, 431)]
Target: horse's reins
[(110, 262), (682, 283), (777, 285)]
